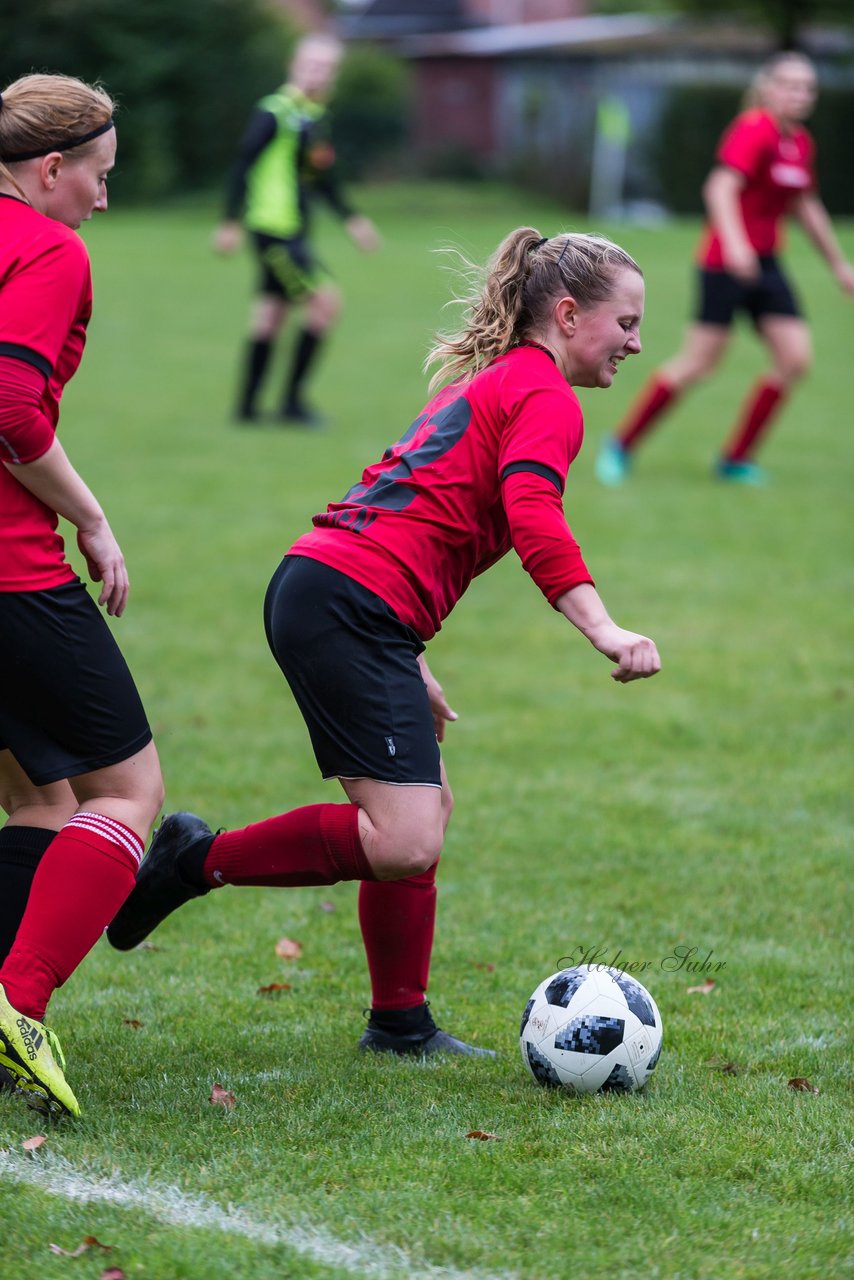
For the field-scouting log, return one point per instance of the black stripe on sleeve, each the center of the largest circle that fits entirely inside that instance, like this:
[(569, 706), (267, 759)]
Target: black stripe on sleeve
[(538, 469), (28, 356)]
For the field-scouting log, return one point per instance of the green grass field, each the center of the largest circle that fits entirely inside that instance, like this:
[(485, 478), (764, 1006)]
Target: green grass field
[(705, 809)]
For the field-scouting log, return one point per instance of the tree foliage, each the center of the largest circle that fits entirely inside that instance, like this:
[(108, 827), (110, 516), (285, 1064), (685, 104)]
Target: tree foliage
[(788, 20), (185, 76)]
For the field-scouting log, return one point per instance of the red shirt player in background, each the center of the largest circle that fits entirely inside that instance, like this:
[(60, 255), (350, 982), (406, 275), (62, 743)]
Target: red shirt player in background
[(348, 612), (79, 774), (764, 171)]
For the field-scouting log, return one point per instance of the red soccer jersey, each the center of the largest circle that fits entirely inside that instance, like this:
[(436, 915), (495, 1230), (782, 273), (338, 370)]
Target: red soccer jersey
[(481, 469), (776, 166), (45, 305)]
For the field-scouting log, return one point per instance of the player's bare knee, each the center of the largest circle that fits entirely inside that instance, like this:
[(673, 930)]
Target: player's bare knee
[(397, 858), (798, 367)]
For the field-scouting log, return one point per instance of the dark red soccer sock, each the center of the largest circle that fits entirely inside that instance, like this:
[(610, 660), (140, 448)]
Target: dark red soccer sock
[(318, 844), (397, 918), (21, 850), (758, 410), (655, 397), (83, 878)]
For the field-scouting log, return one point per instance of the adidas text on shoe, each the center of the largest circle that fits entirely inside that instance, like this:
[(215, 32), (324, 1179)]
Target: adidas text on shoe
[(160, 886), (31, 1057)]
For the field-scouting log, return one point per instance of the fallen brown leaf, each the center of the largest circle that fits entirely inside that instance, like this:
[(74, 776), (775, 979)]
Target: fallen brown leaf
[(272, 987), (802, 1085), (33, 1144), (87, 1243), (112, 1273), (132, 1022), (287, 949), (488, 966), (482, 1136), (703, 989), (725, 1067), (221, 1097)]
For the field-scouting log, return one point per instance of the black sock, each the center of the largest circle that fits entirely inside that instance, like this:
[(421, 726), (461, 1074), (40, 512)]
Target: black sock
[(304, 356), (21, 849), (416, 1023), (257, 359)]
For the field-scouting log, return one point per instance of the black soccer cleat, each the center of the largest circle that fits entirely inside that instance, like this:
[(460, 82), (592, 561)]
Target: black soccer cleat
[(297, 414), (376, 1041), (160, 885)]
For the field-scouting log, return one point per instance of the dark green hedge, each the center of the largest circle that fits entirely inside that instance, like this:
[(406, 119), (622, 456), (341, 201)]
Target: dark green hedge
[(693, 120), (186, 75), (370, 111)]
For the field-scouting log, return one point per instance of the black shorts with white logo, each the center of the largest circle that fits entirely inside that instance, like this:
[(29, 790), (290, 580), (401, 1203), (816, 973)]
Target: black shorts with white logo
[(352, 667), (721, 295), (288, 269), (68, 703)]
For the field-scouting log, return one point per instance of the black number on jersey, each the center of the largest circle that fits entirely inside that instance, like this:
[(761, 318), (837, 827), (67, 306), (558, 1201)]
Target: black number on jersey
[(425, 441)]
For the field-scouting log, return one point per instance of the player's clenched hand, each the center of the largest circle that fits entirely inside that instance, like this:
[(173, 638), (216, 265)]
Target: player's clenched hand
[(227, 237), (363, 233), (742, 261), (845, 275), (636, 655), (438, 703), (106, 565)]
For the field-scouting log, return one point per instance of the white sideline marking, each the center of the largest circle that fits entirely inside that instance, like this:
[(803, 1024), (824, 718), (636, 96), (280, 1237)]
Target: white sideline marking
[(57, 1177)]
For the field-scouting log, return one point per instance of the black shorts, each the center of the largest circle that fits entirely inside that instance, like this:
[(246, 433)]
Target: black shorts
[(68, 703), (722, 295), (287, 268), (351, 665)]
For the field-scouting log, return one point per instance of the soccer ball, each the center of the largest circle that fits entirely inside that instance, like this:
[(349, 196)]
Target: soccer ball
[(589, 1029)]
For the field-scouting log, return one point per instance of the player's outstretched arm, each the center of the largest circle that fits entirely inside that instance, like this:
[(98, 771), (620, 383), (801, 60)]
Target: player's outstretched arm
[(636, 655), (53, 480), (722, 198), (815, 220)]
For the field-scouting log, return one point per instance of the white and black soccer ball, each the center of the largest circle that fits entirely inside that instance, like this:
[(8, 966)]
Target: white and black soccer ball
[(591, 1028)]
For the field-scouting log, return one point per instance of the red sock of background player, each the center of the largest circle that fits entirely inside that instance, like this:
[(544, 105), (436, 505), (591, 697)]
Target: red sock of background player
[(655, 397), (758, 411), (318, 844), (81, 881), (397, 919)]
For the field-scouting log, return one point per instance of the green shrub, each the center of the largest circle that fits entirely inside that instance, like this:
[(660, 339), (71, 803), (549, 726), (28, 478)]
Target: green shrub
[(693, 120), (370, 110), (682, 152), (833, 128), (185, 76)]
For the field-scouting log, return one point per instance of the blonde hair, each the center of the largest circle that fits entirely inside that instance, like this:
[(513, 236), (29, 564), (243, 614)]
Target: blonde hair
[(510, 300), (754, 94), (42, 111)]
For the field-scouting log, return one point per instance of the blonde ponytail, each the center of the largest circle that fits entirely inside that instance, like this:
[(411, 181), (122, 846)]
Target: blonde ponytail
[(509, 302)]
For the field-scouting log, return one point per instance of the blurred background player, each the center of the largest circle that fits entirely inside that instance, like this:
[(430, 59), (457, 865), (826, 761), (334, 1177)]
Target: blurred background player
[(79, 774), (765, 169), (284, 162), (352, 605)]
